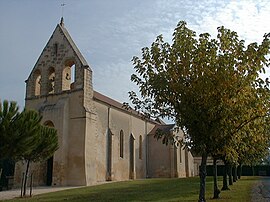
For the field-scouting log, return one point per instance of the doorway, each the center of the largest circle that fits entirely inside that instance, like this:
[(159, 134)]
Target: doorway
[(49, 171), (131, 156)]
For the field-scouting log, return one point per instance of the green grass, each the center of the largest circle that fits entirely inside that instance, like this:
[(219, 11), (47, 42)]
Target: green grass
[(185, 189)]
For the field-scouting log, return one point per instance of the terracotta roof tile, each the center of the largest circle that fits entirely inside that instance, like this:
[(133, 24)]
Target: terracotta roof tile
[(109, 101), (164, 128)]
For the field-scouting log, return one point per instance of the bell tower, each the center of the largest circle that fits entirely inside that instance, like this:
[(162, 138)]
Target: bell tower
[(60, 88), (60, 68)]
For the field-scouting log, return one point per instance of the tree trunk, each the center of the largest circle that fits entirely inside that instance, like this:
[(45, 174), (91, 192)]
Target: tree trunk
[(239, 171), (234, 173), (216, 190), (25, 178), (230, 174), (202, 178), (225, 173)]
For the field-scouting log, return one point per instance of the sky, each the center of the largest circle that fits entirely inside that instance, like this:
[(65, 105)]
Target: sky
[(110, 32)]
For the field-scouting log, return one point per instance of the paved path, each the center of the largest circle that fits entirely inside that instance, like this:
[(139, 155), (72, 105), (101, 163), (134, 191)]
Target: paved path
[(4, 195), (261, 191)]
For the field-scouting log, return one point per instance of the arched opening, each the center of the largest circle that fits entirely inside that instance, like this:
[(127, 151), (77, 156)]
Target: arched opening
[(51, 80), (131, 157), (180, 152), (49, 170), (140, 147), (109, 155), (49, 124), (68, 75), (121, 144), (37, 80)]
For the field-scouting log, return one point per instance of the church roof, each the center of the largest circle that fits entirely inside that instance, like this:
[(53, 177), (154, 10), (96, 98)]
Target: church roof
[(109, 101), (62, 30), (164, 128), (72, 44)]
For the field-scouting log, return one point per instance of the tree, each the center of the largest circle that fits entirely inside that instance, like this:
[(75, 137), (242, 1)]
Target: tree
[(43, 140), (201, 83), (248, 122), (8, 114)]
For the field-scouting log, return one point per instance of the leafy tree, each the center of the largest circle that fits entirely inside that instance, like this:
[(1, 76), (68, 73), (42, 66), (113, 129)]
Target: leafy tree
[(248, 121), (204, 84)]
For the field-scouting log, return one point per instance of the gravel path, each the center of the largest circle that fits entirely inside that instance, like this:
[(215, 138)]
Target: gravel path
[(261, 191), (4, 195)]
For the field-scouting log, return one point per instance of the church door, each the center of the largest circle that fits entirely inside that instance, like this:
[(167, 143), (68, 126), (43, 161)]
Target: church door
[(49, 171)]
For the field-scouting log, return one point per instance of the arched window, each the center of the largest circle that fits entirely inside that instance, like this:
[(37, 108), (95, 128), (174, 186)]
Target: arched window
[(121, 144), (140, 147), (49, 124), (180, 152), (68, 75), (37, 80), (51, 80)]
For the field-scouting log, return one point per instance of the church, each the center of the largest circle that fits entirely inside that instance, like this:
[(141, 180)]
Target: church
[(99, 140)]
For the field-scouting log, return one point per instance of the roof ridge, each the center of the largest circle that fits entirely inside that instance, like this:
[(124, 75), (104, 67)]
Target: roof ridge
[(73, 45), (118, 105)]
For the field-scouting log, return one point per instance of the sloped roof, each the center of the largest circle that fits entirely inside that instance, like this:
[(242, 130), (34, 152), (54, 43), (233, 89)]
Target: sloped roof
[(70, 41), (109, 101), (73, 45), (164, 128)]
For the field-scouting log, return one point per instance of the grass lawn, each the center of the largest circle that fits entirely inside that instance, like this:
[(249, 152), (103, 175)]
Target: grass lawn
[(185, 189)]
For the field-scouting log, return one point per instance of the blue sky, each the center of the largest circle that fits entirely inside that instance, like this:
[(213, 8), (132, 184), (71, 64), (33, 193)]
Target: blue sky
[(110, 32)]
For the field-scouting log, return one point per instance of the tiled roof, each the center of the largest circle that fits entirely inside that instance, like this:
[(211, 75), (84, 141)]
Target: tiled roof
[(164, 128), (109, 101)]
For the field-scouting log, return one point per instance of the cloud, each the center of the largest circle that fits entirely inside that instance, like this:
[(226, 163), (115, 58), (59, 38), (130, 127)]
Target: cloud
[(110, 33)]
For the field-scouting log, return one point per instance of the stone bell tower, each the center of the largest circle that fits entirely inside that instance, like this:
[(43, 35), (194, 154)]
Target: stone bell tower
[(60, 88)]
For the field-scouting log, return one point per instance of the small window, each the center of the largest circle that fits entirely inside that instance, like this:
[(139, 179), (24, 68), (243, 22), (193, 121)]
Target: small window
[(68, 78), (37, 78), (51, 80), (121, 144), (55, 49), (140, 147), (180, 152)]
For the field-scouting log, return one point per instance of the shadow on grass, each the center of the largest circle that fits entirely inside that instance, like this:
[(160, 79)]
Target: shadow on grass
[(184, 189), (138, 190)]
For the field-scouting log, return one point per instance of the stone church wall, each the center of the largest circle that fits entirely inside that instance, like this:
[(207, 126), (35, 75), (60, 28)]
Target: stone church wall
[(130, 125), (98, 139)]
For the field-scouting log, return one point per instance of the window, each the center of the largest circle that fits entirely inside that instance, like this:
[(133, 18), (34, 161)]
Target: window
[(37, 78), (180, 152), (121, 144), (55, 49), (140, 147), (68, 75), (51, 80)]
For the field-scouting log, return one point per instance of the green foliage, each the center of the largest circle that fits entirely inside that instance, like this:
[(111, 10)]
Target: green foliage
[(8, 115), (211, 88), (41, 140), (23, 137)]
